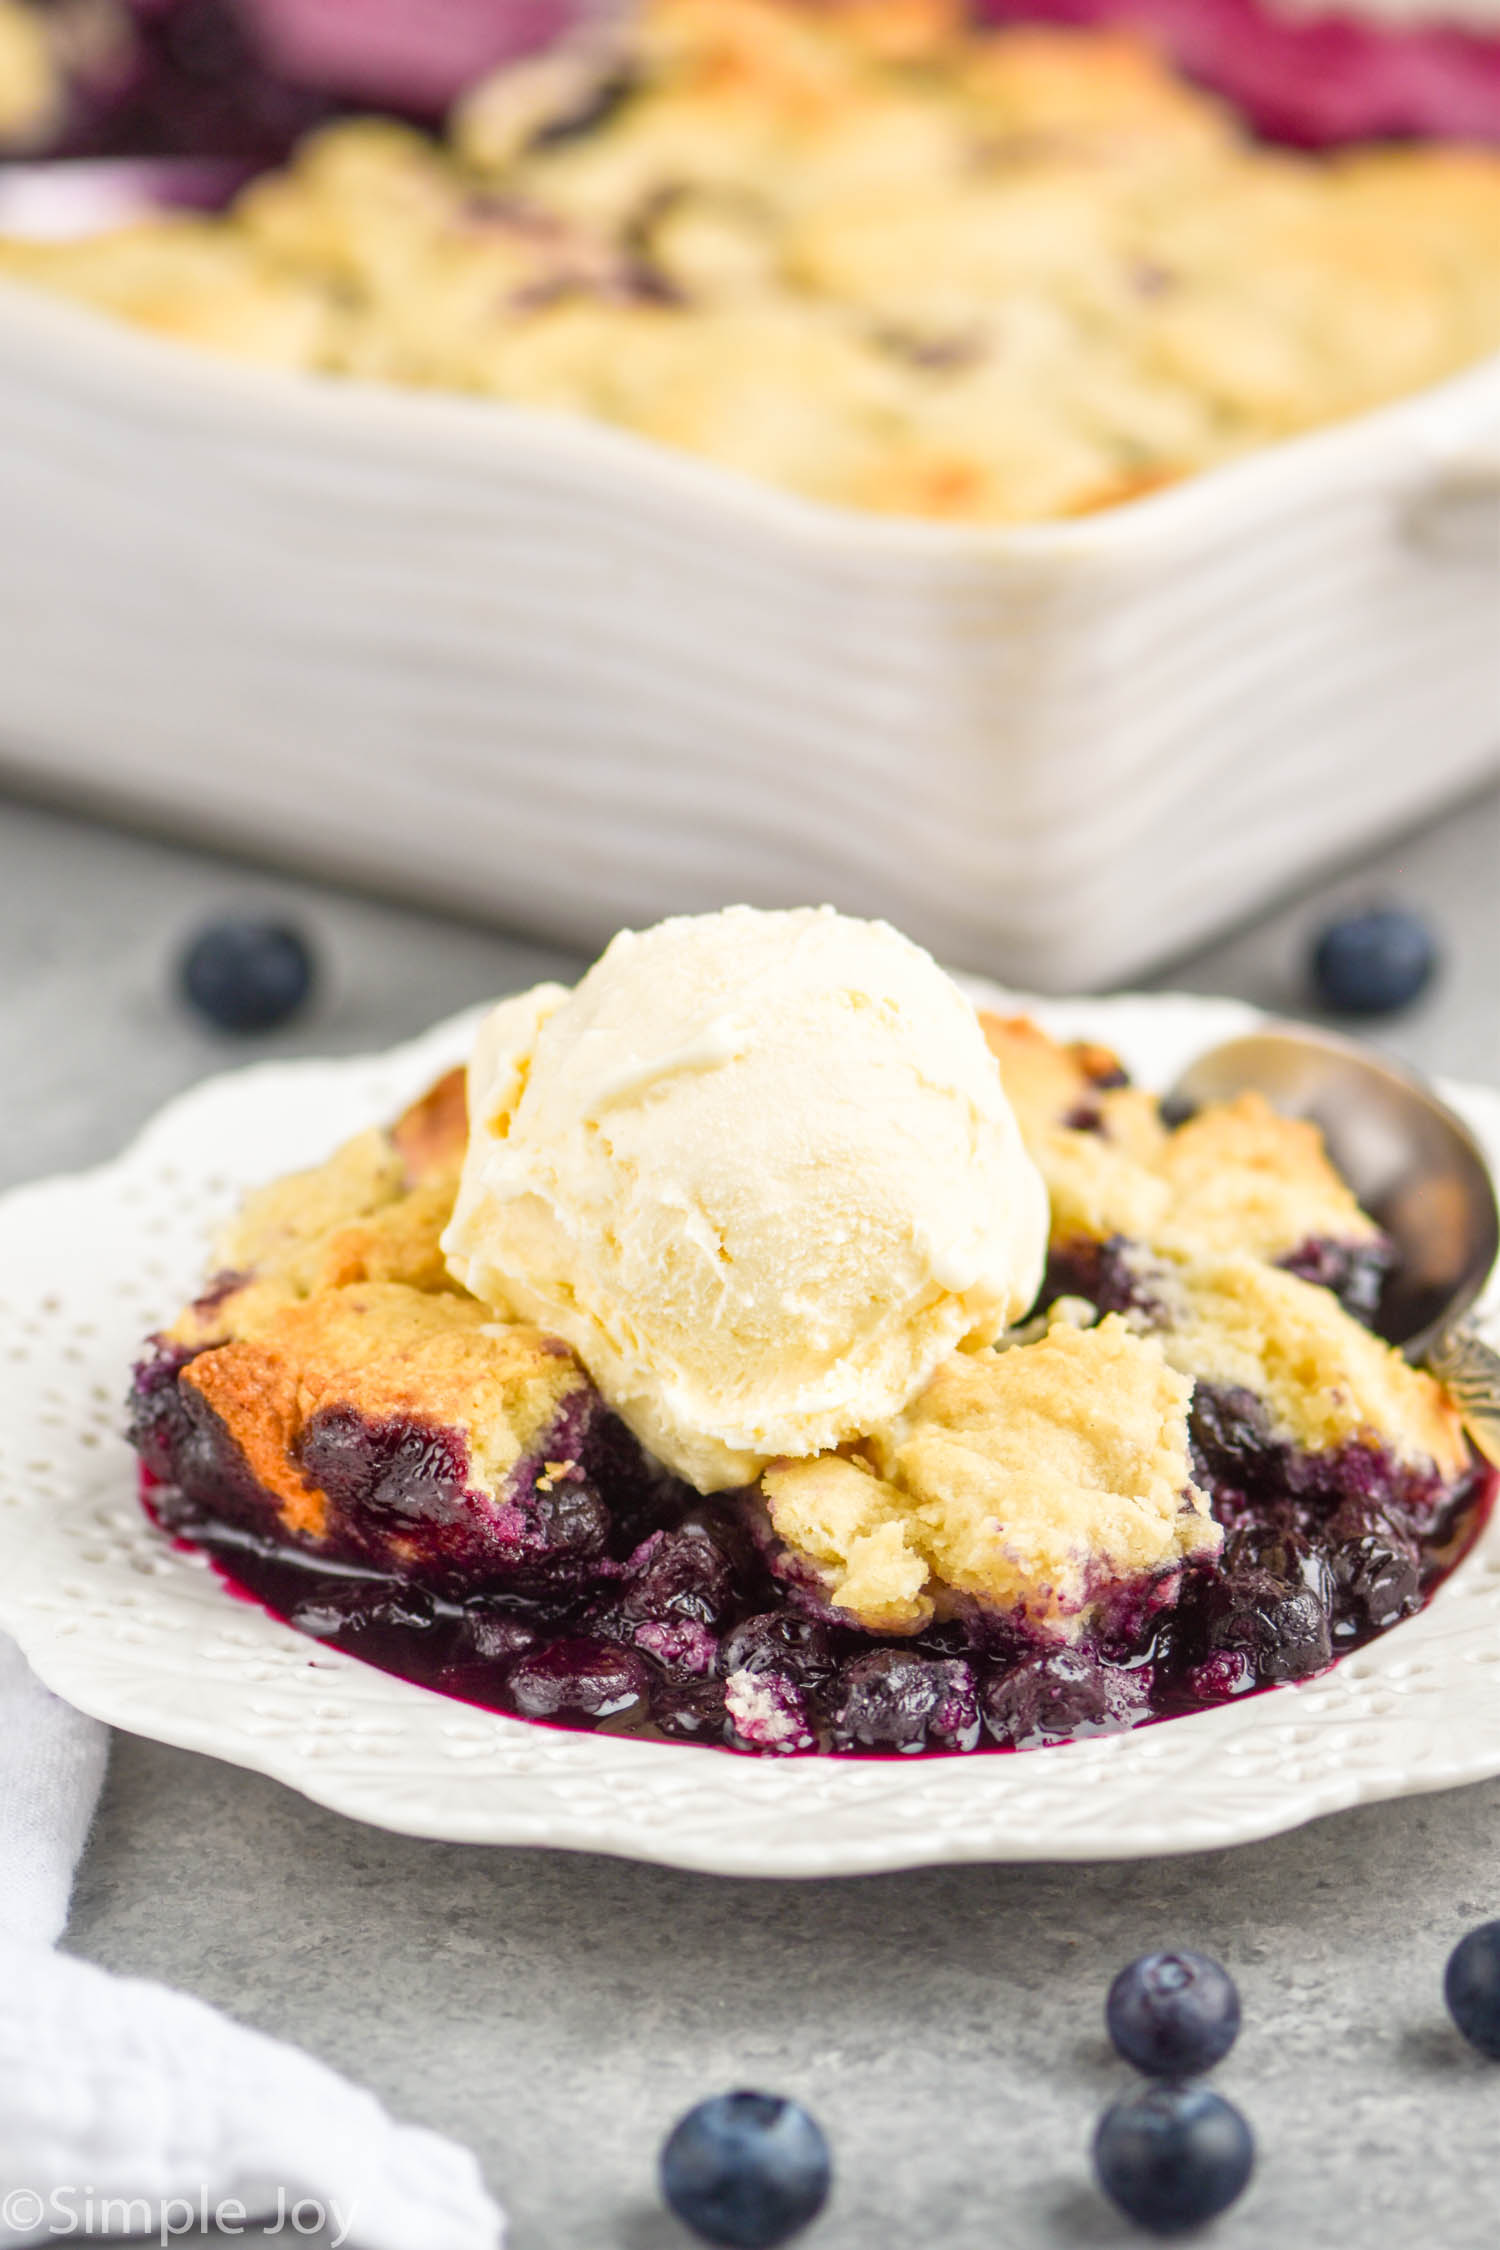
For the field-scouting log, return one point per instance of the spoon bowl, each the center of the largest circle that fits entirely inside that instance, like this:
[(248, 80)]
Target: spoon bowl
[(1414, 1166)]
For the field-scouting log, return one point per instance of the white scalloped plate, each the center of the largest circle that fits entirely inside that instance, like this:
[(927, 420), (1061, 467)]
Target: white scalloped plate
[(146, 1637)]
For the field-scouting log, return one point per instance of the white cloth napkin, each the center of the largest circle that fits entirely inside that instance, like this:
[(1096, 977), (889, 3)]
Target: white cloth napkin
[(126, 2108)]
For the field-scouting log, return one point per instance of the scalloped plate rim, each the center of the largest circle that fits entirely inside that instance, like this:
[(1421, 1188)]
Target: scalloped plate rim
[(642, 1800)]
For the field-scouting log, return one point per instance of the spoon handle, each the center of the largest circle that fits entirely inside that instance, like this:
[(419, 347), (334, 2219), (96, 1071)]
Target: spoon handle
[(1462, 1360)]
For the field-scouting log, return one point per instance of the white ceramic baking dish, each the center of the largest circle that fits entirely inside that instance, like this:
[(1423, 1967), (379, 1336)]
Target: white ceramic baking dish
[(552, 672)]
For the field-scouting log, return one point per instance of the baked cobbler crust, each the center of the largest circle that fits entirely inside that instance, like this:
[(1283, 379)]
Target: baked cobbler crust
[(863, 251), (1215, 1480), (1236, 1178), (1035, 1482)]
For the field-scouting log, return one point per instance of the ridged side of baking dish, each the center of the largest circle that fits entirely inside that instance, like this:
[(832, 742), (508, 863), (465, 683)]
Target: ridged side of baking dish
[(552, 672)]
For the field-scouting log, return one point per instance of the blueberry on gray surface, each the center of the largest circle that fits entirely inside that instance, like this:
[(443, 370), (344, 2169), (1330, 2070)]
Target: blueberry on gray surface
[(1173, 2157), (1173, 2014), (247, 976), (1471, 1987), (1373, 963), (746, 2170)]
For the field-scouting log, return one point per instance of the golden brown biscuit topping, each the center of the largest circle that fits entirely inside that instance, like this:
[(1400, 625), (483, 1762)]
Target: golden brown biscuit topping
[(1032, 1481), (863, 251)]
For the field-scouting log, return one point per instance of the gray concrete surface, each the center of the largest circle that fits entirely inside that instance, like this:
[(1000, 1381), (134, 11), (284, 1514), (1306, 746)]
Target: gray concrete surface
[(557, 2013)]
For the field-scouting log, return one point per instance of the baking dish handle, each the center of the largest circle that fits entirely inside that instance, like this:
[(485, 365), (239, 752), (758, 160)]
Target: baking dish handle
[(1457, 514)]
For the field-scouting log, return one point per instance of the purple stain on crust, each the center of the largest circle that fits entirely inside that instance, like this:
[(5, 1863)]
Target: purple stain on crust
[(1149, 279), (936, 354), (223, 1285)]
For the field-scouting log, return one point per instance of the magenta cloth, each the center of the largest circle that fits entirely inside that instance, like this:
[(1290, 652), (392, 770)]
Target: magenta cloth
[(1314, 81)]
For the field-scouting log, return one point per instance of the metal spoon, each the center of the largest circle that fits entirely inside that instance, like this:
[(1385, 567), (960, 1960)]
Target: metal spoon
[(1417, 1170)]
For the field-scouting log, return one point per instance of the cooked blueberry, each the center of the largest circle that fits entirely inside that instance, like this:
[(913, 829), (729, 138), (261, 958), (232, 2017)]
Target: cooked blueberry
[(361, 1605), (577, 1679), (487, 1636), (1173, 2157), (1471, 1987), (1174, 2015), (1232, 1441), (746, 2170), (680, 1643), (768, 1711), (690, 1709), (1085, 1117), (1107, 1273), (1281, 1552), (779, 1641), (247, 975), (1228, 1672), (678, 1575), (894, 1700), (1372, 963), (1284, 1631), (1355, 1271), (569, 1518), (1100, 1065), (1378, 1579), (1056, 1694), (394, 1475)]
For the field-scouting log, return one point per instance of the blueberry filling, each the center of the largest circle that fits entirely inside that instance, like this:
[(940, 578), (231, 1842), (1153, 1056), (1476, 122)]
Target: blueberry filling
[(597, 1592), (1356, 1272), (1107, 1273), (895, 1699), (1112, 1275)]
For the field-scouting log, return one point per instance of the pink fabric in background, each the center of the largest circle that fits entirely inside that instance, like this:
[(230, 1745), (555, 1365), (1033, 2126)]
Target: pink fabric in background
[(403, 54), (1331, 79)]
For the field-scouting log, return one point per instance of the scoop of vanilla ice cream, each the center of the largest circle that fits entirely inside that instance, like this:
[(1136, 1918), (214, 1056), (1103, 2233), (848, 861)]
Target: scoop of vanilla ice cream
[(759, 1171)]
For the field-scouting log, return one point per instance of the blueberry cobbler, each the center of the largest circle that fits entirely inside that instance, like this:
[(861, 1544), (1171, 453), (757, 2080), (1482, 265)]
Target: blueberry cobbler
[(757, 1347), (864, 250)]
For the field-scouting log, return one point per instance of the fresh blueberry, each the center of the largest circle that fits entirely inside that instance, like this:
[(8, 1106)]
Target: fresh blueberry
[(1173, 2157), (247, 975), (746, 2170), (1173, 2014), (1370, 964), (1471, 1987)]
